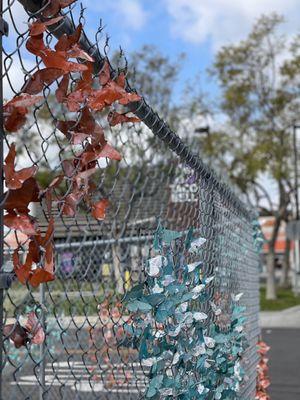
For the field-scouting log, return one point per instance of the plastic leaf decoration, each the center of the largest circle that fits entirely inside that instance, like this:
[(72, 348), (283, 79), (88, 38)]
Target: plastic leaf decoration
[(17, 334), (263, 381), (16, 109), (15, 179), (61, 92), (65, 42), (34, 329), (36, 28), (40, 256), (30, 331), (18, 200), (170, 332), (115, 118), (38, 264), (42, 78), (99, 209), (20, 222)]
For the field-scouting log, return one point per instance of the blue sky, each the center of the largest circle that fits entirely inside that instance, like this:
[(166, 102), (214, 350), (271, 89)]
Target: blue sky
[(196, 27)]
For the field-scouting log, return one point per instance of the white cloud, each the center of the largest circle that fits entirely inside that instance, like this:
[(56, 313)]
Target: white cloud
[(130, 13), (223, 21)]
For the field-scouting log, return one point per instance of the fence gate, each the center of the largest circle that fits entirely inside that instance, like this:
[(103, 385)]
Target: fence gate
[(106, 337)]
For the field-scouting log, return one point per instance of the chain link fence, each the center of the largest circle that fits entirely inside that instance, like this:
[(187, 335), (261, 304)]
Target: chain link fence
[(98, 262)]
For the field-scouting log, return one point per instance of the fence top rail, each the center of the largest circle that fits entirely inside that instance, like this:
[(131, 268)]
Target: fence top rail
[(146, 114)]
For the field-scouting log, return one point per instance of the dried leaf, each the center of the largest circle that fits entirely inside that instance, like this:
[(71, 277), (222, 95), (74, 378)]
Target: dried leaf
[(110, 93), (61, 91), (38, 27), (15, 179), (48, 192), (76, 52), (99, 209), (71, 202), (16, 333), (22, 271), (115, 118), (104, 74), (36, 45), (34, 329), (21, 222), (19, 199), (65, 42), (16, 109), (95, 152), (58, 59), (23, 100), (42, 253), (41, 78)]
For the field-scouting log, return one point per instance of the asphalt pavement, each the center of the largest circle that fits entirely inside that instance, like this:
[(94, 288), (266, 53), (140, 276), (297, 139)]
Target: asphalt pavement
[(284, 362)]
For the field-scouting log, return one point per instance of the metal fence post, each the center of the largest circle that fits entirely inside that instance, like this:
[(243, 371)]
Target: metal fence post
[(3, 31), (42, 369)]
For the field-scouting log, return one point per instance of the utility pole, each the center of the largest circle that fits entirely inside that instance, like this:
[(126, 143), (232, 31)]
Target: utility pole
[(297, 213)]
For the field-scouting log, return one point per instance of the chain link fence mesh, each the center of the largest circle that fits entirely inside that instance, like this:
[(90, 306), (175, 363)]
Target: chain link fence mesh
[(98, 261)]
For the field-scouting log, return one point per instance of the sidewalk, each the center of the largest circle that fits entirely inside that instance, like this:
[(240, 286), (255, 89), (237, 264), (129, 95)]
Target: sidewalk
[(288, 318)]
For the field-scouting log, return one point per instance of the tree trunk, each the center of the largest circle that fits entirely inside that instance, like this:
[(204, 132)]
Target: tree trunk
[(271, 283), (284, 281)]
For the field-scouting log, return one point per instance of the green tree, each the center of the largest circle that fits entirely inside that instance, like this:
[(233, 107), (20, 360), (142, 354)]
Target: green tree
[(260, 101)]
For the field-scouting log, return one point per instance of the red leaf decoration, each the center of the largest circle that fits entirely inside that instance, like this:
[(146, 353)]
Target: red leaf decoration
[(34, 329), (31, 332), (41, 252), (16, 109), (23, 100), (19, 199), (58, 59), (95, 152), (115, 118), (61, 91), (41, 78), (71, 202), (38, 27), (48, 192), (22, 271), (65, 42), (15, 179), (16, 333), (104, 74), (109, 94), (36, 45), (22, 222), (77, 52), (99, 209)]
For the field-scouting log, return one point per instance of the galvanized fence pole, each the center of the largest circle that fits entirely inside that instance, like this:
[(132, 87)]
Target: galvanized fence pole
[(42, 369), (2, 30)]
